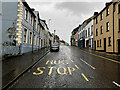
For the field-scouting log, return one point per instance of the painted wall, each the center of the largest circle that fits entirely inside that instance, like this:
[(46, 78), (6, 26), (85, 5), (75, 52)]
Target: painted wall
[(9, 15), (105, 34), (0, 29), (89, 37)]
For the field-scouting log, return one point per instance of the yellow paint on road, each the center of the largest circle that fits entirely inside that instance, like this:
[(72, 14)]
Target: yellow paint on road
[(103, 57), (47, 62), (70, 71), (51, 61), (85, 77), (72, 61), (54, 61), (58, 70), (59, 62), (50, 71), (39, 69), (76, 66)]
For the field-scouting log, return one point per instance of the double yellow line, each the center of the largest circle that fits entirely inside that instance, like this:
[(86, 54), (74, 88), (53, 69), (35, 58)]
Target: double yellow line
[(103, 57)]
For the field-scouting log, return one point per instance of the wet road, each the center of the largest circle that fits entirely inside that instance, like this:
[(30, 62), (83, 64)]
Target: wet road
[(71, 68)]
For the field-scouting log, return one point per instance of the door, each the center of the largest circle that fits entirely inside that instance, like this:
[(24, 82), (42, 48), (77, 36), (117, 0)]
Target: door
[(78, 43), (41, 43), (104, 44), (95, 45), (119, 46)]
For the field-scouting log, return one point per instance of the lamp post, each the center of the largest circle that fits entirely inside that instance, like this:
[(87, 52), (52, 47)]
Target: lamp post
[(54, 35), (49, 22)]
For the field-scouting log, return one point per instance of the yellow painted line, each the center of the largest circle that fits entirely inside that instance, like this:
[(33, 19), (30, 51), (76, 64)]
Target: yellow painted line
[(85, 77), (72, 61), (103, 57), (76, 66), (47, 62)]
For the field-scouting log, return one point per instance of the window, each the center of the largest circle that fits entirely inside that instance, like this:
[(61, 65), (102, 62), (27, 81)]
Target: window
[(31, 20), (26, 14), (119, 25), (80, 36), (35, 25), (30, 39), (97, 43), (100, 42), (96, 20), (107, 11), (25, 36), (96, 32), (92, 30), (38, 28), (37, 41), (101, 16), (119, 8), (109, 41), (101, 28), (107, 26), (34, 40), (88, 31)]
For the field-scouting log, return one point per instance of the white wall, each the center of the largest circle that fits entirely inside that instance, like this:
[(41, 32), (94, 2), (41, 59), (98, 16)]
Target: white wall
[(0, 29), (86, 28)]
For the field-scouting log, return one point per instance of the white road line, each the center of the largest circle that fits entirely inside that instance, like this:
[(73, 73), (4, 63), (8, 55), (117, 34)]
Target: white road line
[(87, 64), (116, 84)]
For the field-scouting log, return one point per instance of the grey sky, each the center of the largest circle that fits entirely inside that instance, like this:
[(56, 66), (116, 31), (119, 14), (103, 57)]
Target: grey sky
[(65, 16)]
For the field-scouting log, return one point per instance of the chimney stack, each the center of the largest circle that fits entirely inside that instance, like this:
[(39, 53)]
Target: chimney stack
[(95, 13), (32, 9), (107, 4)]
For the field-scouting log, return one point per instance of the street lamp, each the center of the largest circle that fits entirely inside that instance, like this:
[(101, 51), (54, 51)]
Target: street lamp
[(49, 22), (54, 35)]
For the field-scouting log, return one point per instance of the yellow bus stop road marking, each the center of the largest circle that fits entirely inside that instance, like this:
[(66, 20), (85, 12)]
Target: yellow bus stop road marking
[(85, 77), (72, 61), (47, 62), (103, 57)]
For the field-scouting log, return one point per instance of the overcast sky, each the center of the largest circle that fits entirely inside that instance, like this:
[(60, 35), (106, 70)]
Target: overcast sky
[(65, 16)]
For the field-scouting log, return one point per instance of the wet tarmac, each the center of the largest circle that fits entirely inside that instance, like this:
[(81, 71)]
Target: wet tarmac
[(14, 66), (71, 68)]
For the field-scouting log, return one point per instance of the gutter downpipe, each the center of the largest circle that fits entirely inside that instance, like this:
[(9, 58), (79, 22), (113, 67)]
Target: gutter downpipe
[(33, 35), (113, 25)]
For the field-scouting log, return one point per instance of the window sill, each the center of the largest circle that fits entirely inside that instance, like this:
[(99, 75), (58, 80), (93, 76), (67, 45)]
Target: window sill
[(24, 43), (107, 15), (109, 45)]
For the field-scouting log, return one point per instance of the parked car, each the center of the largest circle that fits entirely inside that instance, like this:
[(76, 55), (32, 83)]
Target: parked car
[(54, 47)]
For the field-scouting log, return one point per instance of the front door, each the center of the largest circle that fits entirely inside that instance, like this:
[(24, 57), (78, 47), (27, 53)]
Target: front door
[(104, 44), (95, 45), (41, 43), (119, 46)]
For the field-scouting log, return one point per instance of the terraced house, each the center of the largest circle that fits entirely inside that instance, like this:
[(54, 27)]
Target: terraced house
[(22, 29), (107, 28)]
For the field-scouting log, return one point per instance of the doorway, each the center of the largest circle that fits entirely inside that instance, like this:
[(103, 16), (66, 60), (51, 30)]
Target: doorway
[(95, 45), (104, 44), (118, 46)]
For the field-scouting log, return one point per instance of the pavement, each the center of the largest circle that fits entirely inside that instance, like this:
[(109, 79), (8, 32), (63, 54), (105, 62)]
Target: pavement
[(71, 67), (13, 67), (104, 54)]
